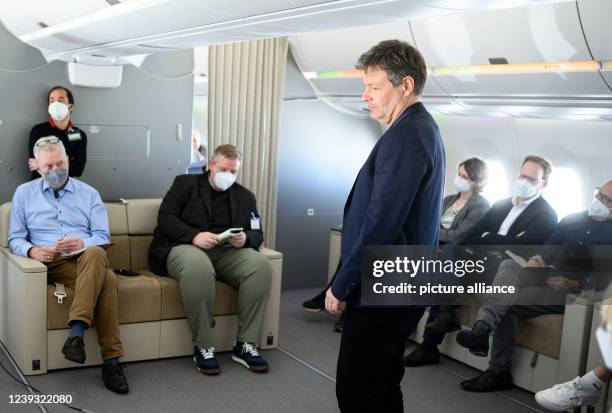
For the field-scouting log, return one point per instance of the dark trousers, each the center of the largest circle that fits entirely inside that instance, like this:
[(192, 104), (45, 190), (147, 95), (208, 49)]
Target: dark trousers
[(503, 335), (370, 366)]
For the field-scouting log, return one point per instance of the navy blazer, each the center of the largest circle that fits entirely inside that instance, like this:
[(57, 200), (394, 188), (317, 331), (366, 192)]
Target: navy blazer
[(537, 222), (396, 198)]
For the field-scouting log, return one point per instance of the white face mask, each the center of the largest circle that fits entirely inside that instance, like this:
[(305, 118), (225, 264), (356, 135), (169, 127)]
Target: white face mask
[(223, 180), (598, 209), (462, 184), (604, 339), (524, 189), (58, 111)]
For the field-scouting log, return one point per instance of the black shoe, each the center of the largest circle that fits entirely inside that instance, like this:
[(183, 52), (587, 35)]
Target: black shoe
[(114, 379), (74, 349), (489, 381), (445, 322), (422, 355), (315, 304), (339, 324), (477, 339)]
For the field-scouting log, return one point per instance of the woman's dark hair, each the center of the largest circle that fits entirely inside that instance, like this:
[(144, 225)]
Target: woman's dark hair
[(477, 170)]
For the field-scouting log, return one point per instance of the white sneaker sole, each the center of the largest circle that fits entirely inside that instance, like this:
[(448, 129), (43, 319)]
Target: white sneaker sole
[(258, 369)]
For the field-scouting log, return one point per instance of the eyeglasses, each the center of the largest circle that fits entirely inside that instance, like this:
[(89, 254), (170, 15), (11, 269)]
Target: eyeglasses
[(50, 140), (603, 198)]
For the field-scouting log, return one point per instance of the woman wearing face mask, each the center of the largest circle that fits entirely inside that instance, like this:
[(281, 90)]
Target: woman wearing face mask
[(61, 104), (460, 214), (463, 210)]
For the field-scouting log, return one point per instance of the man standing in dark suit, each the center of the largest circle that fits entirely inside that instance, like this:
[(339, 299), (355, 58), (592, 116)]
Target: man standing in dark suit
[(396, 200), (188, 246)]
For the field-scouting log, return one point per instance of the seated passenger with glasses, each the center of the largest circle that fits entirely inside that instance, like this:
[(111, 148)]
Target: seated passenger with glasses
[(572, 265), (62, 223)]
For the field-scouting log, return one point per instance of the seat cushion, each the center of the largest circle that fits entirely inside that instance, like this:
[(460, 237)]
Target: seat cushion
[(139, 251), (226, 298), (541, 334), (139, 301)]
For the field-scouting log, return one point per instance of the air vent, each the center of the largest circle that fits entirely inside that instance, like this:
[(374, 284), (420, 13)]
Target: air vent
[(43, 25), (113, 2)]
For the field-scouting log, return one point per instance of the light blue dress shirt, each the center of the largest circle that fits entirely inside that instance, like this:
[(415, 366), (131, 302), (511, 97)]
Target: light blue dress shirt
[(39, 219)]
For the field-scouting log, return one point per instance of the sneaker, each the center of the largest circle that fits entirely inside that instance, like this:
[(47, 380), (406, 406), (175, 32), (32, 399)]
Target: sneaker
[(114, 379), (247, 355), (445, 322), (315, 304), (422, 355), (566, 396), (489, 381), (205, 360), (476, 340)]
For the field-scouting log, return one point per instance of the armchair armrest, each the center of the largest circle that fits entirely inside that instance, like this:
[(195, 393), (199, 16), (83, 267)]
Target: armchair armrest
[(575, 337), (270, 253), (25, 264), (23, 304)]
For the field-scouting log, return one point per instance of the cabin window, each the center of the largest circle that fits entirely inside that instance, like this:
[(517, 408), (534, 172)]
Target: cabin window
[(564, 192), (497, 187)]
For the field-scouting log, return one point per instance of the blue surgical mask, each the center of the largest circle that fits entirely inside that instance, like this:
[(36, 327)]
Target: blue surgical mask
[(57, 177), (525, 189)]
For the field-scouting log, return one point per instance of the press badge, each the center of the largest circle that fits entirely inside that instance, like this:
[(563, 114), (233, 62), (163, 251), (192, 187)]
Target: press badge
[(72, 137), (255, 224)]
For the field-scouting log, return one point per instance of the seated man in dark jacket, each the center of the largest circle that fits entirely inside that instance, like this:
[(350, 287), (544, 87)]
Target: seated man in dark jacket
[(524, 219), (188, 246), (576, 232)]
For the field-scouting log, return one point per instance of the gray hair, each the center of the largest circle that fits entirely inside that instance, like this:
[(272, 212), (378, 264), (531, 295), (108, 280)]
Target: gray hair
[(398, 59), (48, 144)]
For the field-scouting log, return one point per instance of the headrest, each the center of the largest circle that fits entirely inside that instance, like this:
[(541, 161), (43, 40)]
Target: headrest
[(142, 215), (117, 218), (5, 217)]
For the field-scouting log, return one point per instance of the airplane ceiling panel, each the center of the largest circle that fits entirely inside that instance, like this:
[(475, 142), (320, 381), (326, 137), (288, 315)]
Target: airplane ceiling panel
[(543, 33), (595, 16), (340, 49), (566, 84), (76, 27), (485, 4)]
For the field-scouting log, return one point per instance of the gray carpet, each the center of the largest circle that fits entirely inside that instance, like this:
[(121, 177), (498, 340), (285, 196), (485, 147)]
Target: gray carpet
[(300, 380)]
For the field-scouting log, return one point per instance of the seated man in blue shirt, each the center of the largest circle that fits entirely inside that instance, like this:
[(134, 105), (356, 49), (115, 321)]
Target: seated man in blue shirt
[(53, 217), (572, 264)]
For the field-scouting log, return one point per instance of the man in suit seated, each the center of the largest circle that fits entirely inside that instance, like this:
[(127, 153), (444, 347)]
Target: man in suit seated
[(524, 219), (61, 222), (186, 246), (574, 262)]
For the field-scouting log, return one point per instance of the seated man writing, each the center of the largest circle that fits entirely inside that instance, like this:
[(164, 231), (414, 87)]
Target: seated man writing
[(187, 245), (589, 228), (54, 216)]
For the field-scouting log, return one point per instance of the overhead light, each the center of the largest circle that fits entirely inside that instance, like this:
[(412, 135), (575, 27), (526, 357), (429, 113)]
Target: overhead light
[(544, 67), (335, 74), (99, 15)]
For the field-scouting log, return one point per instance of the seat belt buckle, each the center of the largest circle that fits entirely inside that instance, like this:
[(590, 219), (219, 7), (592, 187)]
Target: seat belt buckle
[(60, 292)]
